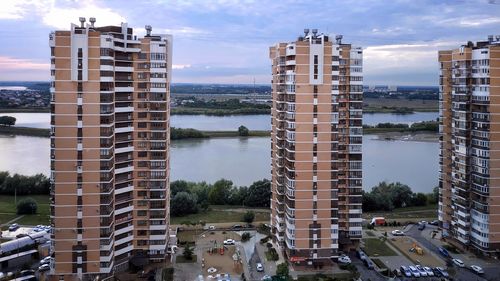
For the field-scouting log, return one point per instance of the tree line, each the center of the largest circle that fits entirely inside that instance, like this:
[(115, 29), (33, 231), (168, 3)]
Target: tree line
[(387, 197), (191, 197), (432, 126), (23, 185)]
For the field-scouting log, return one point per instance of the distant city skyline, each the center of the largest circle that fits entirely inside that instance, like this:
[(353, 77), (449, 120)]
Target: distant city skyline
[(224, 41)]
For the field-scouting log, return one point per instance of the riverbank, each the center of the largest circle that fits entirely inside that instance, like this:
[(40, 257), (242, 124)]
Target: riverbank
[(25, 131), (384, 133), (399, 106)]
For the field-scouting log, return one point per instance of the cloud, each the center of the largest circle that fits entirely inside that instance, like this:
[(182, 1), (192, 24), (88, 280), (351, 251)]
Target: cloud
[(60, 17), (25, 64), (13, 9)]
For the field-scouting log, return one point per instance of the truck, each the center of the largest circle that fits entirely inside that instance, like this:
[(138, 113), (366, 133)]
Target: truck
[(378, 221)]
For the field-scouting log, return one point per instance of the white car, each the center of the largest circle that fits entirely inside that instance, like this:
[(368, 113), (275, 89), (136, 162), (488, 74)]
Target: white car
[(458, 262), (421, 270), (397, 232), (260, 268), (211, 227), (44, 267), (414, 271), (429, 271), (46, 260), (266, 278), (229, 242), (477, 269), (344, 259)]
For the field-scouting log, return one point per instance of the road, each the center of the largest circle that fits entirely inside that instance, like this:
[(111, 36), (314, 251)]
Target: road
[(491, 272)]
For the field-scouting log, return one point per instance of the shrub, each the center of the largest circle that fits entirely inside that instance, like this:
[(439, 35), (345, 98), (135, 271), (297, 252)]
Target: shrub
[(245, 237), (27, 206)]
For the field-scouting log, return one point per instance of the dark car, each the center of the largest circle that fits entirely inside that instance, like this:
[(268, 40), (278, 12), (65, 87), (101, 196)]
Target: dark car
[(421, 226), (236, 226), (444, 252), (368, 263), (439, 271)]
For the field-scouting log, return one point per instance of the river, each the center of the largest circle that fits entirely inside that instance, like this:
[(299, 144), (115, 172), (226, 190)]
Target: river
[(225, 123), (244, 160)]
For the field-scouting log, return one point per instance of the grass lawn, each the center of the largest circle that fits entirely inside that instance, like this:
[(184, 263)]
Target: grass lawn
[(188, 235), (167, 274), (182, 259), (4, 218), (8, 210), (428, 212), (217, 214), (376, 247), (370, 233)]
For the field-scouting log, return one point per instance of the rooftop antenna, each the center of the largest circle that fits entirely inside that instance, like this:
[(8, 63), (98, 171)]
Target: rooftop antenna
[(92, 21), (338, 38), (82, 21), (148, 30)]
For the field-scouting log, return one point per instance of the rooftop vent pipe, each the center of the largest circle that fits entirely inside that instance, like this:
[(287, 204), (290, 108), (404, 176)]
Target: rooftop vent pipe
[(314, 31), (338, 38), (92, 21), (306, 31), (148, 30), (82, 21)]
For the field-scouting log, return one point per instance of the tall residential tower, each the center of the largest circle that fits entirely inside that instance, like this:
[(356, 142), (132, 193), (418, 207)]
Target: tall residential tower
[(469, 186), (316, 146), (109, 149)]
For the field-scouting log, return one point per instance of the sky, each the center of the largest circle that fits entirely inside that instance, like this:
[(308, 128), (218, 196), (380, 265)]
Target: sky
[(227, 41)]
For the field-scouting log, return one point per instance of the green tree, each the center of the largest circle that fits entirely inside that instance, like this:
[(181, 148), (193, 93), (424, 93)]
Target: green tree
[(220, 192), (243, 131), (7, 121), (259, 194), (188, 252), (248, 217), (178, 186), (183, 204), (245, 236), (201, 190), (419, 199), (237, 195), (27, 206), (282, 271)]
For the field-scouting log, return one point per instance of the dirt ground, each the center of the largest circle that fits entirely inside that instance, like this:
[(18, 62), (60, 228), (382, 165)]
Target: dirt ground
[(223, 263), (404, 244)]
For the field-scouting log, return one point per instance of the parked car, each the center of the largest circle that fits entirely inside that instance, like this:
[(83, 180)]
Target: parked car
[(44, 267), (14, 227), (414, 271), (421, 226), (434, 222), (211, 227), (21, 235), (229, 242), (266, 278), (458, 262), (429, 271), (46, 260), (27, 272), (444, 252), (397, 232), (406, 271), (260, 267), (237, 226), (477, 269), (361, 255), (439, 271), (421, 270), (397, 272), (369, 264), (344, 259)]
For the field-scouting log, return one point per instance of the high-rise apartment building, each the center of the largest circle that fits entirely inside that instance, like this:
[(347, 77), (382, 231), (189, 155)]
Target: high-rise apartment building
[(109, 149), (469, 104), (317, 92)]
